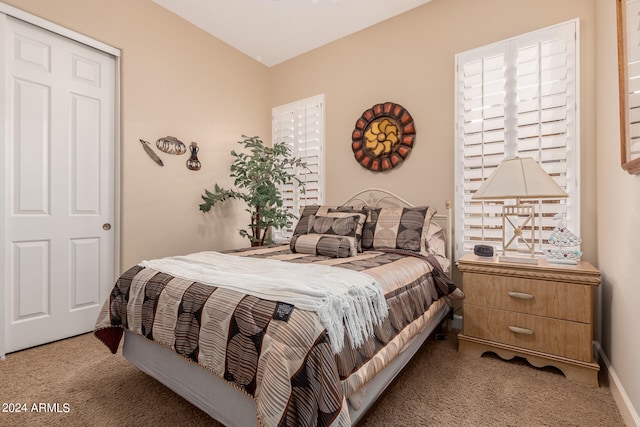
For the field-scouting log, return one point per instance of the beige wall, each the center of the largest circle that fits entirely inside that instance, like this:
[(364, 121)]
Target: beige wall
[(176, 80), (618, 222), (409, 60)]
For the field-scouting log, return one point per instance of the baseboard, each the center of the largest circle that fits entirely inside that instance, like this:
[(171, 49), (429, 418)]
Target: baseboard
[(628, 412)]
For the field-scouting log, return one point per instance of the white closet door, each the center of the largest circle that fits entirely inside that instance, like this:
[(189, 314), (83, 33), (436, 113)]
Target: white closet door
[(59, 153)]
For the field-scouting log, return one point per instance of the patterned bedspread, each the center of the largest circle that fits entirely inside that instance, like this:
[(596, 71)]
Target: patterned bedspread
[(286, 365)]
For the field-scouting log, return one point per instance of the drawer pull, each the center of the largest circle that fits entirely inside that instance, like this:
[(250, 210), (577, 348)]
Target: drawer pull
[(520, 295), (522, 331)]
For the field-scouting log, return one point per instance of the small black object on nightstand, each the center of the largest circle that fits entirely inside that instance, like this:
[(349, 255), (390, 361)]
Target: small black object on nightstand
[(483, 250)]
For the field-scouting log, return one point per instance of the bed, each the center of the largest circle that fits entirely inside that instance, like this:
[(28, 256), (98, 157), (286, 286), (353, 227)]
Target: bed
[(247, 356)]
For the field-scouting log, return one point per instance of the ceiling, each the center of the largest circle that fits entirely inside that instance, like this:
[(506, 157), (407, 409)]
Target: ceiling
[(272, 31)]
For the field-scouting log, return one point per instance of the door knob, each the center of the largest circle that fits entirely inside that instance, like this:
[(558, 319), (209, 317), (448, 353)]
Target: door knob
[(106, 226)]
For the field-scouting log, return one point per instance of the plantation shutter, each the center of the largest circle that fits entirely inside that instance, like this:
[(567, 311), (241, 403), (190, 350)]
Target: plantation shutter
[(516, 98), (633, 76), (300, 125), (481, 127)]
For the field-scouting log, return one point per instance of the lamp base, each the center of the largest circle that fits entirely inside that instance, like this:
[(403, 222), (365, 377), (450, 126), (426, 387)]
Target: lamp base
[(517, 259)]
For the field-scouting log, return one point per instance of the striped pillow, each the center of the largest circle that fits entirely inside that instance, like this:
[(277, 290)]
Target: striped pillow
[(362, 217), (302, 227), (344, 225), (397, 228), (322, 244)]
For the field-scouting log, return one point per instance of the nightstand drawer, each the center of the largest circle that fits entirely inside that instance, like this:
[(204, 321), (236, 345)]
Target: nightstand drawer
[(560, 337), (559, 300)]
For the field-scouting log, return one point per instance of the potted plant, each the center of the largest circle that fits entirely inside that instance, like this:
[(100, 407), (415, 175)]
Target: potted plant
[(259, 173)]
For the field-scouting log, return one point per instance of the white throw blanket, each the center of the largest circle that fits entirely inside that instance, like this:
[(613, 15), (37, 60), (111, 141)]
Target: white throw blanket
[(339, 296)]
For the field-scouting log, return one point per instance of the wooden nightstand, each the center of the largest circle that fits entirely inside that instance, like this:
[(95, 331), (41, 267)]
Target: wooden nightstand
[(542, 313)]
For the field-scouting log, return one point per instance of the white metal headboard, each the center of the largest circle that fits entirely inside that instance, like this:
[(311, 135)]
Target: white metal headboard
[(379, 198)]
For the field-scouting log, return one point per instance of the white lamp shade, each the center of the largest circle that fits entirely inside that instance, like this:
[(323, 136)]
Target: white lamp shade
[(519, 178)]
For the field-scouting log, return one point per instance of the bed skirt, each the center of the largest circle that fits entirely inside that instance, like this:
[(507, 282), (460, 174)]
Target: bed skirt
[(231, 406)]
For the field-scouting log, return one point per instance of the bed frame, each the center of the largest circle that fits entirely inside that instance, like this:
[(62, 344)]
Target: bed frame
[(231, 406)]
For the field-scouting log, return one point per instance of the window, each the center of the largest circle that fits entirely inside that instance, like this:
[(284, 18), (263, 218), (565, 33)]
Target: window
[(301, 125), (518, 97)]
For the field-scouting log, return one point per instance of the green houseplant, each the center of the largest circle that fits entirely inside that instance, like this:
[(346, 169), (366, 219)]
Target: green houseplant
[(259, 173)]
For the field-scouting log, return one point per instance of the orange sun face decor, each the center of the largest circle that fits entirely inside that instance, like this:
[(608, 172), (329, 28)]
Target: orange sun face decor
[(383, 137)]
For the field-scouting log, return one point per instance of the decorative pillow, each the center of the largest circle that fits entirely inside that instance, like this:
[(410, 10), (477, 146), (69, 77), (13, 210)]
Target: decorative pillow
[(346, 211), (342, 226), (436, 244), (322, 244), (397, 228), (345, 225), (302, 227)]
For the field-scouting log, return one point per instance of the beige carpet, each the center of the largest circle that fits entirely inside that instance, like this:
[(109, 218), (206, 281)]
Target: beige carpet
[(440, 387)]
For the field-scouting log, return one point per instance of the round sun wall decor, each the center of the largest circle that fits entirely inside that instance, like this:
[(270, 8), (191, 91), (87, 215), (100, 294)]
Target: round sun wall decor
[(383, 137)]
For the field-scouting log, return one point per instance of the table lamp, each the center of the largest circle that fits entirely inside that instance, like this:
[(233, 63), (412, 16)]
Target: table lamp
[(519, 178)]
